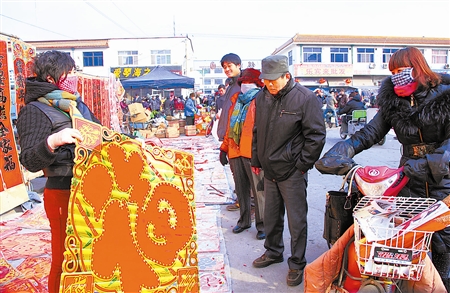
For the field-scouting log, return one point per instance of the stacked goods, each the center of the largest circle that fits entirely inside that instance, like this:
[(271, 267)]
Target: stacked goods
[(147, 133), (172, 132), (137, 113), (190, 130), (174, 123), (161, 130)]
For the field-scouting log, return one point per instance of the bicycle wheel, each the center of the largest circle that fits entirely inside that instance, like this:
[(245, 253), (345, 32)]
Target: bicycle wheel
[(208, 131), (342, 134)]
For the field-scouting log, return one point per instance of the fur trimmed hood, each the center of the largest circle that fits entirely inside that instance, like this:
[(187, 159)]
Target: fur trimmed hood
[(431, 106)]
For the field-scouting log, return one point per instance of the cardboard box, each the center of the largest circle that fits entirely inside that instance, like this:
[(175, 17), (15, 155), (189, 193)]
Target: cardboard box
[(172, 132), (160, 133), (190, 130), (146, 133), (140, 117), (136, 108), (174, 123)]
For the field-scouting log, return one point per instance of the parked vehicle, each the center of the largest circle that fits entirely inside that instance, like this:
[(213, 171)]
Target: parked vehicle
[(387, 249)]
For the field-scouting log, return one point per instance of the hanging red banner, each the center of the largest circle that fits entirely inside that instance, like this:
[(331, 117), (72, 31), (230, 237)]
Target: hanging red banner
[(10, 173), (23, 55)]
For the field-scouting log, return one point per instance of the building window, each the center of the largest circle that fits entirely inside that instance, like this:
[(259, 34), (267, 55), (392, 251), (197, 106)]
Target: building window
[(387, 53), (160, 57), (218, 81), (205, 70), (438, 56), (92, 59), (218, 70), (339, 55), (365, 55), (207, 81), (290, 61), (128, 57), (312, 55)]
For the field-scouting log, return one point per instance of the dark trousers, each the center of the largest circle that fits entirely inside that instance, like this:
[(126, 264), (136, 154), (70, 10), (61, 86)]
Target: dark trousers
[(189, 120), (245, 186), (286, 196), (56, 204)]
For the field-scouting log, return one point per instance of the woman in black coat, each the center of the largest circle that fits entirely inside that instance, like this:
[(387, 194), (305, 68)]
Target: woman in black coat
[(415, 102)]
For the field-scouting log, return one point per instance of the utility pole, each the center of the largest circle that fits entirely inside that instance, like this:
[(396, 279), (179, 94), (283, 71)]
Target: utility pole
[(174, 26)]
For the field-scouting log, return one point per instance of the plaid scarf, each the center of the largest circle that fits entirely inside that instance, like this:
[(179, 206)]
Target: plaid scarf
[(403, 78), (62, 100), (238, 115)]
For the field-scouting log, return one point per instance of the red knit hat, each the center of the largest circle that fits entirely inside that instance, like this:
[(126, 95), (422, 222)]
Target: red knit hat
[(250, 75)]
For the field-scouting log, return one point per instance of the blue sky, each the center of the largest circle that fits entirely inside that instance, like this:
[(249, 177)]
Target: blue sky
[(250, 28)]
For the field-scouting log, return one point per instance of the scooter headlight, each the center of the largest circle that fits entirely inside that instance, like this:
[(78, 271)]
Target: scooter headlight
[(374, 188)]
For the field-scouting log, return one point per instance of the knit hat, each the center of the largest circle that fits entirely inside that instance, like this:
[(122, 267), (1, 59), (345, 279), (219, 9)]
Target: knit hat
[(232, 58), (274, 66), (250, 75)]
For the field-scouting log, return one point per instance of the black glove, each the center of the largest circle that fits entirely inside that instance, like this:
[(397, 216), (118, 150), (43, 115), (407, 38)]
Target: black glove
[(338, 160), (223, 158), (336, 165), (418, 170)]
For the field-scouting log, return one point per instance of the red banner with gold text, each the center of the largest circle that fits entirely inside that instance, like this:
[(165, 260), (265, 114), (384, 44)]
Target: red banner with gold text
[(10, 173)]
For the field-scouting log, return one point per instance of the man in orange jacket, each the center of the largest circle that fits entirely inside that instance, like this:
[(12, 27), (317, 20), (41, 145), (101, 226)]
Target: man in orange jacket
[(237, 146)]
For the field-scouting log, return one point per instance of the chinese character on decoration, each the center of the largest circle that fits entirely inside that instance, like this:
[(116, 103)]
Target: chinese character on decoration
[(137, 72), (126, 72), (117, 72)]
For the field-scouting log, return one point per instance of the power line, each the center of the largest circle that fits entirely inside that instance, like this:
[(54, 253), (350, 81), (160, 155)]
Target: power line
[(145, 34), (105, 16), (44, 29)]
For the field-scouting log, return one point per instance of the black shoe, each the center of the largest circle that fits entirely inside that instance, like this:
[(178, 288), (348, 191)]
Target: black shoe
[(260, 235), (237, 229), (264, 261), (294, 277)]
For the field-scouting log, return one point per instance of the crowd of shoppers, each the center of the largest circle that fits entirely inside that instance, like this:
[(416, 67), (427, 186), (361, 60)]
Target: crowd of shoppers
[(271, 131)]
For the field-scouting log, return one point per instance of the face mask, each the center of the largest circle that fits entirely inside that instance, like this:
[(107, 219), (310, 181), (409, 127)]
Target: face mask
[(403, 78), (404, 84), (405, 90), (69, 84), (245, 87)]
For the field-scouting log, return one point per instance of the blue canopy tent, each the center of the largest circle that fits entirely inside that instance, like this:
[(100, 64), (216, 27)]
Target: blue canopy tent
[(159, 78)]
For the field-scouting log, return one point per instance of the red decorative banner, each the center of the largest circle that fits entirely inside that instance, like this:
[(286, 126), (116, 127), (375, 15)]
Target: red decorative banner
[(10, 173), (23, 55)]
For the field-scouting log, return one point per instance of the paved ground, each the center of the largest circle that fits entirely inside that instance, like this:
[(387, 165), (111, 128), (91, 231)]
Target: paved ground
[(243, 248)]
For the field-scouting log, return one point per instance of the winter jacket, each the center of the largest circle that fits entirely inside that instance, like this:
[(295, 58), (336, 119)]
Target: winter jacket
[(244, 149), (233, 88), (189, 108), (289, 132), (354, 104), (155, 104), (424, 117), (35, 122), (331, 102)]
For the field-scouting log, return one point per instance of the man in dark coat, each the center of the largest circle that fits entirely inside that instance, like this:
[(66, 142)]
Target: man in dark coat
[(288, 137)]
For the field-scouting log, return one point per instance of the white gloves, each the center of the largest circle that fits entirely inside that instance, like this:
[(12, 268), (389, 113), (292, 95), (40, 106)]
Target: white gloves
[(62, 137)]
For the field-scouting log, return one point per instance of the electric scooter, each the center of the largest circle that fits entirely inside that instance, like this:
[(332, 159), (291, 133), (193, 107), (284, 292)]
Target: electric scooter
[(385, 250)]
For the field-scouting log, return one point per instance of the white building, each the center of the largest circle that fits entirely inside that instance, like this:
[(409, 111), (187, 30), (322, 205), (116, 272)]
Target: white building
[(314, 60), (354, 61), (126, 58)]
